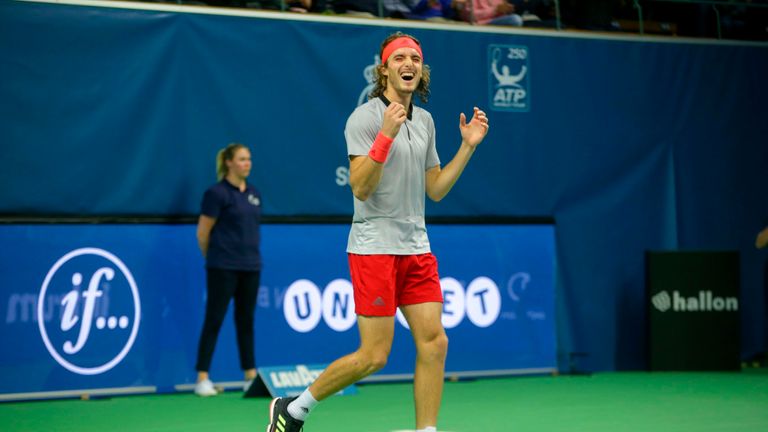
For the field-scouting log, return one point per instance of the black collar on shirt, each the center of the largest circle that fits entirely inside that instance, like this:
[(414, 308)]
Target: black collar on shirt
[(410, 107), (231, 186)]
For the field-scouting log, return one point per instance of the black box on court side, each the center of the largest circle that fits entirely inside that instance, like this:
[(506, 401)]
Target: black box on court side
[(693, 310)]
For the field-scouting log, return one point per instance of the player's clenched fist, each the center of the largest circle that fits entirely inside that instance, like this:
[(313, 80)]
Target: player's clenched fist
[(394, 117)]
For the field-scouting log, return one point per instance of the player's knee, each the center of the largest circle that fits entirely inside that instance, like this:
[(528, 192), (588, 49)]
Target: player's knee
[(377, 362), (371, 362), (441, 344), (436, 346)]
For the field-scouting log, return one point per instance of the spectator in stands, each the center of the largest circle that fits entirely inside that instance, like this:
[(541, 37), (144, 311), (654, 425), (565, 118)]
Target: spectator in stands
[(433, 10), (290, 5), (389, 8), (493, 12), (225, 3), (228, 236)]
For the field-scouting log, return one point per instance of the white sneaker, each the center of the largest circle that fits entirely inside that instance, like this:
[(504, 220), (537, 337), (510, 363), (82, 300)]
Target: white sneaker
[(205, 388)]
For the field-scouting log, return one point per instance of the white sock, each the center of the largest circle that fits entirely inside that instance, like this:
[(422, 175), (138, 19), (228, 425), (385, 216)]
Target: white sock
[(302, 406), (428, 429)]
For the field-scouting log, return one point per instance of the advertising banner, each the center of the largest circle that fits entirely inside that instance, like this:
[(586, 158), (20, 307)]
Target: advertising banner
[(693, 303), (121, 306)]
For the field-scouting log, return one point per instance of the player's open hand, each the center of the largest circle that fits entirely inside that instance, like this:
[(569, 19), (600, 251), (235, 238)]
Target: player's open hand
[(473, 132), (394, 117)]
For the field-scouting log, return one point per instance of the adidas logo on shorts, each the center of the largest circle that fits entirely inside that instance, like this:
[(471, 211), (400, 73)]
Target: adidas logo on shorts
[(378, 302)]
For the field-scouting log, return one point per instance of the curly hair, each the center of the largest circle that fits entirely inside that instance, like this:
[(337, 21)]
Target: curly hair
[(422, 90)]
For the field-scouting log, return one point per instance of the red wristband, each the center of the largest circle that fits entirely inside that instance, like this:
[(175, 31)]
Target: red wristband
[(380, 148)]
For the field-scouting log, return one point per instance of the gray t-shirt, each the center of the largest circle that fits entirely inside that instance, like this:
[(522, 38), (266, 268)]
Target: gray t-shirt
[(391, 220)]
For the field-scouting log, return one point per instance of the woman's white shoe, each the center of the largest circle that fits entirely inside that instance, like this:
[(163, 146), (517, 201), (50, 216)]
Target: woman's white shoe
[(205, 388)]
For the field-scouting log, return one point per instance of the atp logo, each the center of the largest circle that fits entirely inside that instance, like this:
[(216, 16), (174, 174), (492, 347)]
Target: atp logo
[(508, 82), (100, 314)]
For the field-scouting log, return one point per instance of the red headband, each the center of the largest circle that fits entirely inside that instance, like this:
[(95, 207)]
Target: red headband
[(401, 42)]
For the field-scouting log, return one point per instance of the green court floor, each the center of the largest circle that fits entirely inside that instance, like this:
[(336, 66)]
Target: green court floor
[(658, 402)]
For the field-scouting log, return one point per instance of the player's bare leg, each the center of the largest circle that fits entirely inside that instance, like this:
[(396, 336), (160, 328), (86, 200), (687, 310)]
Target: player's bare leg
[(431, 349), (376, 334)]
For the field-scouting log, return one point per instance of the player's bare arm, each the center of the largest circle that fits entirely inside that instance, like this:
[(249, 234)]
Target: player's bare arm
[(364, 172), (440, 181)]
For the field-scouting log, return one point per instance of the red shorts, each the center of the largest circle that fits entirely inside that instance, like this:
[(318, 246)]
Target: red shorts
[(382, 283)]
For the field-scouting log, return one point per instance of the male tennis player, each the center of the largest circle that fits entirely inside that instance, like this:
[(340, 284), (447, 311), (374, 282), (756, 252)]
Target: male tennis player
[(393, 162)]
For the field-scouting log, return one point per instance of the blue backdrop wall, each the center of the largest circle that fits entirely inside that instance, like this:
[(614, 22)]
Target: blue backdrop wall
[(630, 144)]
